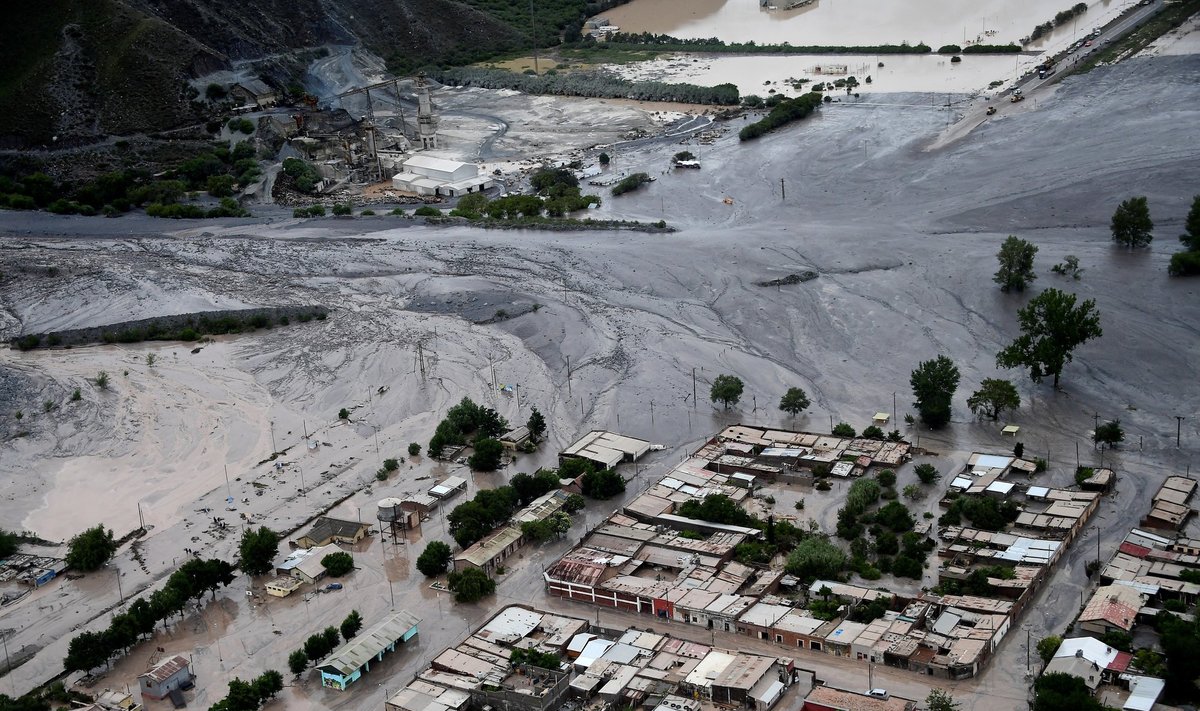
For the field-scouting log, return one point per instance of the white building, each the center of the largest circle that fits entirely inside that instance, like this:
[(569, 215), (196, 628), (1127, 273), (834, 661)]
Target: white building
[(428, 175)]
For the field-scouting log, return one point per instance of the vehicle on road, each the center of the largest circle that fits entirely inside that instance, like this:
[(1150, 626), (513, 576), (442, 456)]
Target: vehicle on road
[(1017, 97), (333, 586), (991, 110)]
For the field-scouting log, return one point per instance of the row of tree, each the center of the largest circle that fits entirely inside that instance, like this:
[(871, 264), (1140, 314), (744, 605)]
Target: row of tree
[(588, 83), (783, 113), (320, 644), (88, 650), (250, 695)]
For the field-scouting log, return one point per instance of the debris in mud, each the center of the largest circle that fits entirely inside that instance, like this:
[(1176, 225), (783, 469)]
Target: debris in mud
[(807, 275)]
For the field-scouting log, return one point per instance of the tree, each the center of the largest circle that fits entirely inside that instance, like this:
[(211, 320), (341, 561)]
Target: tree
[(471, 585), (933, 383), (794, 401), (1191, 227), (603, 484), (843, 429), (895, 515), (1052, 327), (939, 700), (8, 543), (390, 465), (927, 473), (351, 625), (267, 685), (993, 397), (343, 414), (102, 380), (574, 503), (487, 456), (1016, 264), (912, 492), (87, 650), (536, 425), (886, 477), (338, 564), (91, 549), (603, 158), (414, 449), (257, 550), (1110, 433), (1047, 646), (1131, 224), (816, 558), (297, 662), (726, 389), (872, 432), (433, 560), (1057, 691)]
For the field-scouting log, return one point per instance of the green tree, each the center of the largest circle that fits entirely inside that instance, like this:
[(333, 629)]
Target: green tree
[(933, 383), (794, 401), (1191, 227), (471, 585), (927, 473), (912, 492), (1052, 327), (603, 158), (257, 550), (414, 449), (1057, 691), (816, 558), (726, 389), (1016, 264), (939, 700), (1131, 224), (487, 456), (603, 484), (536, 425), (843, 429), (102, 380), (267, 685), (87, 650), (574, 503), (993, 397), (433, 560), (351, 625), (297, 662), (337, 564), (1047, 646), (343, 414), (8, 543), (91, 549), (1110, 433)]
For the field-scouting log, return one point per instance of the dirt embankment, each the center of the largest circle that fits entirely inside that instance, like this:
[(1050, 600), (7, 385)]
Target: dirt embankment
[(182, 327)]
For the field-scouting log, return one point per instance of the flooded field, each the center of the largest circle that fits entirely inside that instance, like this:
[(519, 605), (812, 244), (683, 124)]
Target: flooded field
[(760, 74), (847, 22)]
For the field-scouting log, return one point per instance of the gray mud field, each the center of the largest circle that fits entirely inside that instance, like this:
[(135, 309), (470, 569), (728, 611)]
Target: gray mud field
[(903, 241)]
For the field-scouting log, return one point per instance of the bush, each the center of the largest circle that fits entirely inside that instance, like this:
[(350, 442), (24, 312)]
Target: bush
[(414, 449), (574, 503), (886, 477), (91, 549), (427, 211), (220, 185), (342, 209), (487, 455), (338, 564), (906, 567), (816, 558), (783, 113), (630, 183), (1182, 263), (433, 560), (367, 213), (391, 465), (843, 429), (873, 432)]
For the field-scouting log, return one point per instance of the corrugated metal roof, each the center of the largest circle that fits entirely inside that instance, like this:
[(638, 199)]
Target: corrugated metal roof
[(369, 643), (166, 669)]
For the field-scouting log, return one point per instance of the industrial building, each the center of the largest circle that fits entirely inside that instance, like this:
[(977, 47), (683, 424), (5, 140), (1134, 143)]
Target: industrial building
[(326, 530), (348, 663), (305, 564), (606, 449), (424, 174)]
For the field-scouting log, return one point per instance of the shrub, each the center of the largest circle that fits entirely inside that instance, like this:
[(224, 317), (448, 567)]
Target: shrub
[(427, 211), (433, 560), (342, 209), (391, 465), (367, 213), (414, 449), (91, 549), (816, 558), (886, 477), (1184, 264), (471, 585), (872, 432), (343, 414), (630, 183), (487, 455), (927, 473), (843, 429)]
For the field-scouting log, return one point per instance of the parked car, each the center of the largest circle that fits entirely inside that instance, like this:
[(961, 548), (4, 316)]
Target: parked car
[(333, 586)]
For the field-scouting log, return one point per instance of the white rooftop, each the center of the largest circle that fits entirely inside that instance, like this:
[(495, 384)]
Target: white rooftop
[(1088, 648), (433, 163), (512, 624)]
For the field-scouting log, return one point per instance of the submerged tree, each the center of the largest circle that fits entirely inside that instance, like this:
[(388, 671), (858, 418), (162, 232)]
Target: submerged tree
[(993, 397), (934, 382), (1016, 264), (1052, 327), (1131, 224)]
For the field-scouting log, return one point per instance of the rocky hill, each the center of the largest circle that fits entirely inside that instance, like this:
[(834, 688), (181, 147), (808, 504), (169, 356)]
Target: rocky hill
[(76, 70)]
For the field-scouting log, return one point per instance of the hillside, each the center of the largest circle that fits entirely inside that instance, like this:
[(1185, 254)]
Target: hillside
[(79, 69)]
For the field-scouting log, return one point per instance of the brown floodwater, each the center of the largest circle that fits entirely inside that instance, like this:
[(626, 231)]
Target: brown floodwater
[(850, 22)]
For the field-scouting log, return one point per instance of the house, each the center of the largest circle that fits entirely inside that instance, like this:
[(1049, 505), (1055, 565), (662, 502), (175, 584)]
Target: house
[(326, 530), (348, 663), (283, 585), (1143, 693), (490, 552), (751, 682), (515, 438), (167, 676), (449, 487), (428, 175), (1169, 507), (827, 698), (305, 564), (606, 449), (541, 508), (254, 92), (420, 695), (109, 700), (1112, 607), (1108, 663)]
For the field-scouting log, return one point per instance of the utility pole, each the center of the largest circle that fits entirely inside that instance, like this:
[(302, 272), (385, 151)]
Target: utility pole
[(894, 410), (274, 447), (568, 376), (141, 519), (1028, 639), (693, 388), (228, 491), (533, 36), (421, 360), (1178, 429), (782, 190)]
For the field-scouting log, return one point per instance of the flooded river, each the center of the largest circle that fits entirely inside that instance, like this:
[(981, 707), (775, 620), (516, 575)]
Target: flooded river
[(849, 22)]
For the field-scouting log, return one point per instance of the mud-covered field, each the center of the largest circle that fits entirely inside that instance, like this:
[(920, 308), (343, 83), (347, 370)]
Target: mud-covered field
[(903, 241)]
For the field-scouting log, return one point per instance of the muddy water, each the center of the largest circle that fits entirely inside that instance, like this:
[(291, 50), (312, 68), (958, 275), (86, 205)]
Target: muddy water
[(760, 74), (846, 22)]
